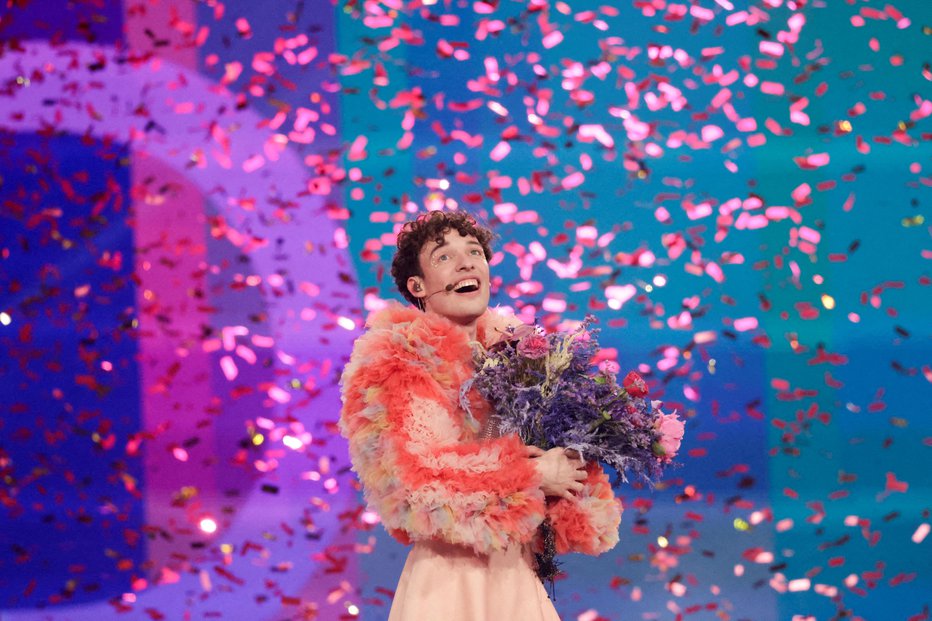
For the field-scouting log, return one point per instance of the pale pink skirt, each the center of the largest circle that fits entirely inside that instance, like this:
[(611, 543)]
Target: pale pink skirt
[(451, 583)]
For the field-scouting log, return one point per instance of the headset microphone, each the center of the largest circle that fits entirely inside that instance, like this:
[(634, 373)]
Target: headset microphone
[(446, 289)]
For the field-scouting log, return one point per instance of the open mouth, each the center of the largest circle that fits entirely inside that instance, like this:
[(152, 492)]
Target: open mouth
[(467, 286)]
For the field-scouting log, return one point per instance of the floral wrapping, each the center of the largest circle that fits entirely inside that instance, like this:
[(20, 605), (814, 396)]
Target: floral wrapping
[(418, 455)]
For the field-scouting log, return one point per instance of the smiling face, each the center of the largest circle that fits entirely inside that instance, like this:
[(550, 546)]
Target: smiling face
[(457, 260)]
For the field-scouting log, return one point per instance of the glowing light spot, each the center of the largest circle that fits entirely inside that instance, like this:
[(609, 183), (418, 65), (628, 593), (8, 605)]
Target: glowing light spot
[(828, 301), (346, 323), (741, 524), (662, 542), (5, 319), (208, 525)]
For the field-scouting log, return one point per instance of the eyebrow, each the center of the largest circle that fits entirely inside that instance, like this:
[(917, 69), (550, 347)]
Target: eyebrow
[(444, 243)]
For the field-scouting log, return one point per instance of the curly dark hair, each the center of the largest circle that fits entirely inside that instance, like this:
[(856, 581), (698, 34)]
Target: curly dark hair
[(426, 227)]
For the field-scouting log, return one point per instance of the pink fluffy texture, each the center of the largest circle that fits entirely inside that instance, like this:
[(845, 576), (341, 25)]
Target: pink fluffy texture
[(417, 453), (588, 523), (418, 457)]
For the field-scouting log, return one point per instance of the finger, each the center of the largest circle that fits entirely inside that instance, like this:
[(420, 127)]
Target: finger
[(569, 495), (534, 451), (572, 453)]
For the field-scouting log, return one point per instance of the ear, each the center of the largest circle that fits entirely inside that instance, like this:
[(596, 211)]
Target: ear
[(416, 287)]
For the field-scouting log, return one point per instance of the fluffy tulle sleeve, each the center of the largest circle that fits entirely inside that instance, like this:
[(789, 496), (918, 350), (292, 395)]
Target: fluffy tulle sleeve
[(589, 522), (419, 469)]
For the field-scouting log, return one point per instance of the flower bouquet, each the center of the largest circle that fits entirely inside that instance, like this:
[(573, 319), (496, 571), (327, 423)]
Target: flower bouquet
[(544, 388)]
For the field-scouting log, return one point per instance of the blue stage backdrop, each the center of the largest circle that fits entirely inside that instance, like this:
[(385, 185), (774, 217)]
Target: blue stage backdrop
[(198, 206)]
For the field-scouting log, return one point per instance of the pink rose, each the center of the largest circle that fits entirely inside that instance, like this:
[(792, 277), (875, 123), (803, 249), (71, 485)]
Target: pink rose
[(671, 431), (609, 367), (635, 385), (534, 346), (499, 327)]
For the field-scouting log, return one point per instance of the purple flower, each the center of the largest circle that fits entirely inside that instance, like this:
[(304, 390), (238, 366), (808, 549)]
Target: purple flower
[(534, 346)]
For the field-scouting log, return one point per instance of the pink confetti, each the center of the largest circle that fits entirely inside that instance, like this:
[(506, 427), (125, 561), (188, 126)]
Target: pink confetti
[(573, 180), (552, 39), (771, 48), (357, 150), (500, 151), (920, 534)]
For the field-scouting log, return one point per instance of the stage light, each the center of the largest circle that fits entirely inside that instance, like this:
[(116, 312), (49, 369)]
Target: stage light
[(208, 525)]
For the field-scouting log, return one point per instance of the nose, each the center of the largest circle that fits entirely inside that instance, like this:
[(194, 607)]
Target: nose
[(467, 262)]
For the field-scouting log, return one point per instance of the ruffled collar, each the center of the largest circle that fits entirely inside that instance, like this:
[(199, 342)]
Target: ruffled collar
[(493, 326)]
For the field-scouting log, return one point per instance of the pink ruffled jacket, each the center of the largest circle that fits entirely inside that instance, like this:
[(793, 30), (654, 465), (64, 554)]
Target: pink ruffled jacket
[(424, 468)]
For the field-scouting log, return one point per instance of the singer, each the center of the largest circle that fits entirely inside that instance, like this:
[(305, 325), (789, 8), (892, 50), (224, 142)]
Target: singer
[(469, 500)]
